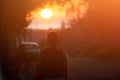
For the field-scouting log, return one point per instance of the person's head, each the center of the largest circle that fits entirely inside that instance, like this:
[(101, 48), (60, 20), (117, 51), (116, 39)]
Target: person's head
[(53, 39)]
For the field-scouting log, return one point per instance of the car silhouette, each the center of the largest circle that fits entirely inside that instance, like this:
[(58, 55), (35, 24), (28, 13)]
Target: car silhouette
[(27, 53)]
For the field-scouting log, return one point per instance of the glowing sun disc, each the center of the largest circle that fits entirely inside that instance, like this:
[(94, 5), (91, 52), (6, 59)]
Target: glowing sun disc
[(46, 13)]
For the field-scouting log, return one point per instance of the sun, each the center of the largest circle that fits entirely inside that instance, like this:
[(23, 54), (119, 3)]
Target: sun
[(46, 13)]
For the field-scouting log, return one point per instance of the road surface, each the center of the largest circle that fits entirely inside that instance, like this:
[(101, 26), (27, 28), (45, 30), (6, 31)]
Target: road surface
[(85, 68), (0, 74)]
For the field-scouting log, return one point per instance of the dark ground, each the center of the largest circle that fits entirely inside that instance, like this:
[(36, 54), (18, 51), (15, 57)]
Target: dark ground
[(86, 68)]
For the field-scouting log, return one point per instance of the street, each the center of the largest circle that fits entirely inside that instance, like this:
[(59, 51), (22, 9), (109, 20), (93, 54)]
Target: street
[(0, 74), (84, 68)]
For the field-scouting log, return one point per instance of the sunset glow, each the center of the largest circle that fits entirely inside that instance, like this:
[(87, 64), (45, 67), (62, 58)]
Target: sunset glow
[(46, 18), (51, 16), (46, 13)]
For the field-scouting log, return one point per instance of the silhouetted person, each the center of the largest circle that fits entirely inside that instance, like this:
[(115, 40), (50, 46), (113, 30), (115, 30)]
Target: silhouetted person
[(52, 62)]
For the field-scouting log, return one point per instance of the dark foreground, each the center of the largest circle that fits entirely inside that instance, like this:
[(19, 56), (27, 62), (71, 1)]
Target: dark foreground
[(86, 68)]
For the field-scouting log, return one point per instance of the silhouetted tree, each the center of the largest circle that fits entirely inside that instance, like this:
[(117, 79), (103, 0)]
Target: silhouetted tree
[(12, 21)]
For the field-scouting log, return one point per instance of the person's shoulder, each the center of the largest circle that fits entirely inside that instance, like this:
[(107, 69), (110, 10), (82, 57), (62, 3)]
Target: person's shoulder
[(62, 51), (44, 50)]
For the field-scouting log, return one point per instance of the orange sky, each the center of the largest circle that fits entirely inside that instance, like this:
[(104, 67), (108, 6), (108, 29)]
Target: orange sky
[(38, 22)]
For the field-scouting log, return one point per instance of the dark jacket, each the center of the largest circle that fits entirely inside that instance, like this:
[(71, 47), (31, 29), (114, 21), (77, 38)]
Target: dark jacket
[(52, 63)]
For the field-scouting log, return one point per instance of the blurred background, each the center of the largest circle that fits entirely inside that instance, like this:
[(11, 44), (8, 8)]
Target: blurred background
[(89, 33)]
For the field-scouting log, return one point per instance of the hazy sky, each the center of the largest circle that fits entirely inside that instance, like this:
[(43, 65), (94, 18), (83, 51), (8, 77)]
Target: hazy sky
[(45, 24), (38, 22)]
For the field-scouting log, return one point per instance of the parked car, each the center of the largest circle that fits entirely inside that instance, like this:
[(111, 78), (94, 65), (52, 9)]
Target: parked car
[(28, 50), (27, 58), (30, 47)]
